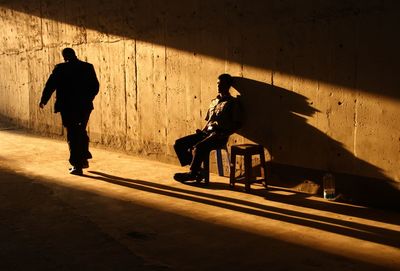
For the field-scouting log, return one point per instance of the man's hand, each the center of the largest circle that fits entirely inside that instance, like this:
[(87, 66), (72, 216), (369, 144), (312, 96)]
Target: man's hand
[(41, 105)]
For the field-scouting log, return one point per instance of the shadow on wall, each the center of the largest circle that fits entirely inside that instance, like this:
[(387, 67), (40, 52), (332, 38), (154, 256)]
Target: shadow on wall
[(277, 118), (328, 41), (334, 37)]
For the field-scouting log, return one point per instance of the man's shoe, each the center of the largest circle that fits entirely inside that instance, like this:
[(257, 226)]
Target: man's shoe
[(200, 176), (76, 171), (184, 177), (188, 176)]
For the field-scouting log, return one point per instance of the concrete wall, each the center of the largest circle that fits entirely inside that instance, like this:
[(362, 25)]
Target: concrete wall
[(317, 78)]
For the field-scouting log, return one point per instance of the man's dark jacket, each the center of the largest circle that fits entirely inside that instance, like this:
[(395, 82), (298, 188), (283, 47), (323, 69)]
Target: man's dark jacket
[(76, 86)]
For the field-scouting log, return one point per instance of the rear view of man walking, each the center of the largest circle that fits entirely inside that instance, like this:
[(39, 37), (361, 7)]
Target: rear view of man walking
[(76, 85)]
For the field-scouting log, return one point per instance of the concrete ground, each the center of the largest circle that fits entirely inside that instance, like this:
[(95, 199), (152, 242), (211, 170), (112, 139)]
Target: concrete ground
[(127, 213)]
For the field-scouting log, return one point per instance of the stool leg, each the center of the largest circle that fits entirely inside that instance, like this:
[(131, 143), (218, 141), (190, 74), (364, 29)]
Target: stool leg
[(228, 158), (206, 171), (219, 162), (263, 167), (247, 172), (232, 170)]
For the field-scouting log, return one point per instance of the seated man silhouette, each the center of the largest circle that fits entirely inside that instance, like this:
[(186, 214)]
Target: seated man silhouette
[(223, 119)]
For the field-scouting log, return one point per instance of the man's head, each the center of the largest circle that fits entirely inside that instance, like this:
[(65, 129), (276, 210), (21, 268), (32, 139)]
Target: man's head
[(69, 54), (224, 84)]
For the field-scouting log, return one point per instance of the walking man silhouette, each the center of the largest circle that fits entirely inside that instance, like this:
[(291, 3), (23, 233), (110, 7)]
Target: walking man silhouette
[(76, 86)]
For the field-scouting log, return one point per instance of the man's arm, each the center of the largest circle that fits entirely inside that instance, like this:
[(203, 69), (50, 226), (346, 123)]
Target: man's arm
[(229, 119), (93, 82), (209, 114), (49, 88)]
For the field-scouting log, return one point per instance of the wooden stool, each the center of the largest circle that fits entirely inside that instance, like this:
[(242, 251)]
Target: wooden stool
[(247, 151), (218, 156)]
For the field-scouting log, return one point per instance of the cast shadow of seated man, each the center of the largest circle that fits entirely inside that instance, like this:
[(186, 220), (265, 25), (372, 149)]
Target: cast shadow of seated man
[(223, 119), (279, 119)]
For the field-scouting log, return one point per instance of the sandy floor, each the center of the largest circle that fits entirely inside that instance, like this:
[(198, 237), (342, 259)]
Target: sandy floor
[(127, 213)]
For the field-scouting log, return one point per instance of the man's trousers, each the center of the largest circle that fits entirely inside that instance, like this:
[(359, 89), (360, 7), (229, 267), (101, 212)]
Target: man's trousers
[(75, 123), (195, 148)]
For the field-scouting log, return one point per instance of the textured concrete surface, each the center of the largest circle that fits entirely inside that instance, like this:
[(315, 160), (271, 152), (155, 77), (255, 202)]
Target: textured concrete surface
[(318, 78), (127, 213)]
